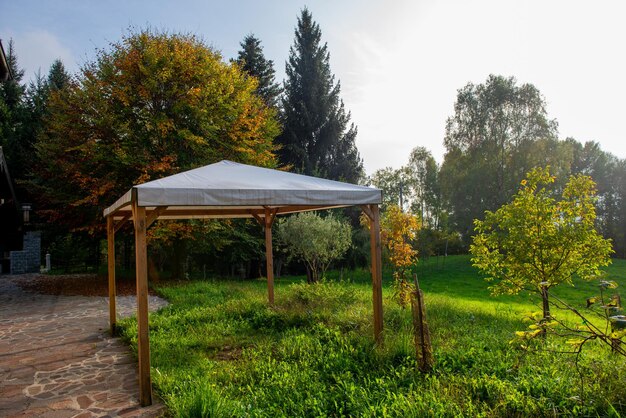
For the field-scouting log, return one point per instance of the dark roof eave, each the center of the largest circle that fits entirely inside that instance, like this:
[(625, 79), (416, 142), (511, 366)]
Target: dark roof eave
[(4, 168), (5, 70)]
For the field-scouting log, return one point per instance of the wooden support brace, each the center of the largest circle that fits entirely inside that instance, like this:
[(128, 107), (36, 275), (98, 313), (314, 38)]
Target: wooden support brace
[(119, 223), (143, 342), (154, 215), (258, 218), (367, 211)]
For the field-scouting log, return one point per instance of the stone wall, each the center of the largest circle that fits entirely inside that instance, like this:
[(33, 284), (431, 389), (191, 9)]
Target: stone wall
[(29, 259)]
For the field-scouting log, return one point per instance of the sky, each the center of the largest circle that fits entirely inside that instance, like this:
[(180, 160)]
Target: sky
[(400, 63)]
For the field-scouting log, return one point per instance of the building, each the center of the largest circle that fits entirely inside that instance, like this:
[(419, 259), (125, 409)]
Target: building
[(20, 251), (5, 70)]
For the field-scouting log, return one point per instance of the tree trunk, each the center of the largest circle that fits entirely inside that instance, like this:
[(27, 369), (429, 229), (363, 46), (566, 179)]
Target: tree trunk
[(126, 252), (279, 266), (153, 271), (546, 308), (178, 259), (546, 303), (615, 345)]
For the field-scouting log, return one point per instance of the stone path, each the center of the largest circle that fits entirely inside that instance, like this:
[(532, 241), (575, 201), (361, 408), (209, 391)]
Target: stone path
[(57, 359)]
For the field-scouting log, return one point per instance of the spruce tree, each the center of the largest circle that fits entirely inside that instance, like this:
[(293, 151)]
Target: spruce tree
[(13, 114), (318, 137), (252, 61), (58, 78), (36, 104)]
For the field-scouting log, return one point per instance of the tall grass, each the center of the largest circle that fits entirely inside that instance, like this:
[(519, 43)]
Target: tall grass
[(218, 350)]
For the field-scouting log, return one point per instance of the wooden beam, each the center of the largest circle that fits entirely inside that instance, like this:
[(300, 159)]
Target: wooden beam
[(121, 222), (367, 211), (143, 342), (377, 274), (258, 218), (122, 214), (210, 212), (302, 208), (269, 219), (171, 213), (154, 215), (111, 271)]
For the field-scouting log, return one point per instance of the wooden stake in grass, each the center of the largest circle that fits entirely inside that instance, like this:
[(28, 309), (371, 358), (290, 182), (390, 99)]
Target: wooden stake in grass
[(421, 334)]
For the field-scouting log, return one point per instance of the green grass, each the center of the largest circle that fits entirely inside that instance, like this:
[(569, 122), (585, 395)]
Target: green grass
[(218, 350)]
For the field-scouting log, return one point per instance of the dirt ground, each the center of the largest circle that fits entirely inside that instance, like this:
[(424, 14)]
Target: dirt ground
[(78, 285)]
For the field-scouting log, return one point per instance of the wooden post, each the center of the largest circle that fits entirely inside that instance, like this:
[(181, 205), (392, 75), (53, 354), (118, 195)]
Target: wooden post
[(421, 333), (143, 343), (111, 269), (268, 221), (377, 273)]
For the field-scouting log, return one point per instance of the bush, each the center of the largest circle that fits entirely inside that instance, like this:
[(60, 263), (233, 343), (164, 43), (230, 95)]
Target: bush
[(315, 240)]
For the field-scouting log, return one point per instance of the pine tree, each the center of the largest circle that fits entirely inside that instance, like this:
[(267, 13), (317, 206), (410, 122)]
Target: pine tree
[(252, 61), (57, 76), (12, 114), (12, 91), (318, 138), (36, 104)]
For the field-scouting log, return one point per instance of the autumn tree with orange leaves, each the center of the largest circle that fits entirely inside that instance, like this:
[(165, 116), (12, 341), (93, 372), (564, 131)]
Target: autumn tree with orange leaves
[(398, 230), (151, 105)]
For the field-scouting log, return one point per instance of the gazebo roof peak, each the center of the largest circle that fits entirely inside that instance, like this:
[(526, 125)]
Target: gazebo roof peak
[(239, 189)]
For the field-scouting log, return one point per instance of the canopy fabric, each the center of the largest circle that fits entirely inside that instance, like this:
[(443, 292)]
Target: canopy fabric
[(229, 189)]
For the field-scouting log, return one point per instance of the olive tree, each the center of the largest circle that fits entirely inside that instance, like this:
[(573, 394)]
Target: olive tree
[(315, 240)]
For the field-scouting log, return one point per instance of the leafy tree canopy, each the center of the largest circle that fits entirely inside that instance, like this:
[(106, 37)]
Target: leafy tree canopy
[(394, 185), (414, 186), (398, 230), (151, 105), (538, 240), (490, 145), (315, 240)]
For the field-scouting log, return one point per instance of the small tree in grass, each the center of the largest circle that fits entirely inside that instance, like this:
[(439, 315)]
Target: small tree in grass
[(315, 240), (398, 229), (536, 242)]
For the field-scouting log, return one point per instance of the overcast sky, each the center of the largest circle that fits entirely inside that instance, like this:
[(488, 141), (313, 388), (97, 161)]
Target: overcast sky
[(400, 63)]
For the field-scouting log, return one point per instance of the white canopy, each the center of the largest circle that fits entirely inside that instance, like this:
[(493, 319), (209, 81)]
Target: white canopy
[(229, 189)]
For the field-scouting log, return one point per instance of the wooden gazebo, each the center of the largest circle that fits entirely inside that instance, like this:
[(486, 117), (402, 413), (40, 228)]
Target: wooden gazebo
[(230, 190)]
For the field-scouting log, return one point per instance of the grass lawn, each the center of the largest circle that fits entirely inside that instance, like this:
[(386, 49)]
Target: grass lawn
[(218, 350)]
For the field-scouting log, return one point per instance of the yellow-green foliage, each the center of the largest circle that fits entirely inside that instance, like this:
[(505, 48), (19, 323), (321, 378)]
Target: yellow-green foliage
[(397, 230), (317, 241), (538, 240)]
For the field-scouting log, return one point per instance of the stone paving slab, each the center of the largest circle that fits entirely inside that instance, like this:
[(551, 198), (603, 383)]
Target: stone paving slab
[(57, 359)]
